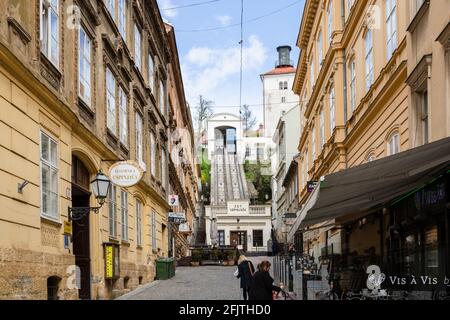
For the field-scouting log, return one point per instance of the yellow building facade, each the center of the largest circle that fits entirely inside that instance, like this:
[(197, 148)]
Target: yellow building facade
[(73, 101), (357, 80)]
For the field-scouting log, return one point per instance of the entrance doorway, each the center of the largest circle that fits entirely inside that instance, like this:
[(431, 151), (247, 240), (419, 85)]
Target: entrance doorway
[(239, 238), (226, 140), (80, 238)]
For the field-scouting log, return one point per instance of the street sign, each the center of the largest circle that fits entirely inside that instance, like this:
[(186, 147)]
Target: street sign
[(125, 174), (174, 200), (184, 228), (177, 217), (68, 228)]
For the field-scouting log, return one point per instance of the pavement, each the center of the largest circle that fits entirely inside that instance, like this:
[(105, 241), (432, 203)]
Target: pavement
[(194, 283)]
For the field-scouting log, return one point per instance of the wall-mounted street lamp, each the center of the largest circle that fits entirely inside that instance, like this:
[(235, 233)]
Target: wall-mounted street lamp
[(100, 188)]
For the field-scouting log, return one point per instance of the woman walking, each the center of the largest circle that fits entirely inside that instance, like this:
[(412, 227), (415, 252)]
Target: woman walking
[(262, 285), (246, 271)]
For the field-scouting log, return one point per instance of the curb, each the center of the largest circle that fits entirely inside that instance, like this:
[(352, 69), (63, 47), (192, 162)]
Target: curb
[(138, 290)]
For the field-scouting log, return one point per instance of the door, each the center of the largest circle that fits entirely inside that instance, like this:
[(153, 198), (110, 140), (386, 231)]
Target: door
[(239, 238), (81, 237), (81, 242)]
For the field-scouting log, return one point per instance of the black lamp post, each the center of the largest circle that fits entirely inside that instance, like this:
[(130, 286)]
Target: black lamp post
[(100, 188)]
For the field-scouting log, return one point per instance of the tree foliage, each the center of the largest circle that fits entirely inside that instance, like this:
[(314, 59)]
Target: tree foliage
[(248, 118)]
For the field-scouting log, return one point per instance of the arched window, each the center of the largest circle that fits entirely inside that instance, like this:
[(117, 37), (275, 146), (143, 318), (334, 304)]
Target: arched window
[(285, 85), (281, 85), (394, 144)]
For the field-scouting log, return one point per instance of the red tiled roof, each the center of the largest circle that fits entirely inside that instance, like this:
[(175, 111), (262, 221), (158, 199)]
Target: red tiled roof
[(281, 70)]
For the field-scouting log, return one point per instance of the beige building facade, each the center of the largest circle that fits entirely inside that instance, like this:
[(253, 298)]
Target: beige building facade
[(183, 169), (359, 67), (75, 99)]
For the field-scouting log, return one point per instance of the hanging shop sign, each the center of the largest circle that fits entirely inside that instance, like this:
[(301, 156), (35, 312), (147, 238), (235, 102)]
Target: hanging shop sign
[(311, 186), (112, 261), (125, 174), (174, 200), (177, 217), (238, 207), (184, 228)]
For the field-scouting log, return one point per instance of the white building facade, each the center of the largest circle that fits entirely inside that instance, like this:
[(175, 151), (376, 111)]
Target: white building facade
[(277, 90)]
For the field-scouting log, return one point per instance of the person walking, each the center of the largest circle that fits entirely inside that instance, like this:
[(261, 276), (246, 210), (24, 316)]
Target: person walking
[(262, 284), (245, 273)]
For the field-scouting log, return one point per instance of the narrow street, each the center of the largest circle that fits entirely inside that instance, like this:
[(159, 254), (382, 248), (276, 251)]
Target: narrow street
[(194, 283)]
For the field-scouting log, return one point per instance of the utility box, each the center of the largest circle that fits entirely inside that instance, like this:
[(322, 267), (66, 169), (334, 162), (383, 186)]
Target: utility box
[(165, 268)]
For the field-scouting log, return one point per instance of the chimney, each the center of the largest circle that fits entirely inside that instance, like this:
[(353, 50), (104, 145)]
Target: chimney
[(284, 56)]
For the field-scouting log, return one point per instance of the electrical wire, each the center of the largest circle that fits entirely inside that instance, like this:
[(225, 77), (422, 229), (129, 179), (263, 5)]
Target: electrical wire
[(190, 5), (244, 22)]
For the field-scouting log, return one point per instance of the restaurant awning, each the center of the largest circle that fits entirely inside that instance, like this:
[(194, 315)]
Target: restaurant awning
[(373, 185)]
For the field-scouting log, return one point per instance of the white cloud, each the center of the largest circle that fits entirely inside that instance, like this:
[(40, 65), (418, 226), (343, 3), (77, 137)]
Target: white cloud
[(207, 70), (165, 4), (224, 20)]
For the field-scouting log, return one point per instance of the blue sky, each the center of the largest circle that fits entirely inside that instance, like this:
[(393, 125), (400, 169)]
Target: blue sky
[(211, 59)]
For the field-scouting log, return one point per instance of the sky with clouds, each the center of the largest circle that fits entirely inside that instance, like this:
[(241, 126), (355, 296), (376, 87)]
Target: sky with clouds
[(211, 59)]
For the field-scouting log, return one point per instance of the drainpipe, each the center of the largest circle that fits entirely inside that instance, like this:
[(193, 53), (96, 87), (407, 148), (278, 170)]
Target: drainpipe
[(345, 80)]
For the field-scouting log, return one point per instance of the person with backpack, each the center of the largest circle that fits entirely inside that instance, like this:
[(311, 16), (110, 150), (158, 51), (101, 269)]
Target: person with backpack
[(245, 273)]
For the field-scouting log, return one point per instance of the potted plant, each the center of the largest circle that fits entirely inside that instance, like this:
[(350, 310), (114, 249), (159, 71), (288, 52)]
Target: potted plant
[(231, 256), (214, 254), (196, 257)]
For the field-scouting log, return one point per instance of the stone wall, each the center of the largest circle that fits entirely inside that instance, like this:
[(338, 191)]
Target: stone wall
[(24, 274)]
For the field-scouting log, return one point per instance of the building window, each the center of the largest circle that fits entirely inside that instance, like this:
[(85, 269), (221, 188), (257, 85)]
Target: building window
[(258, 238), (49, 177), (111, 101), (163, 168), (320, 47), (112, 207), (162, 97), (391, 23), (371, 157), (417, 4), (332, 111), (84, 67), (303, 173), (153, 154), (311, 70), (424, 116), (306, 166), (123, 117), (394, 144), (138, 47), (124, 211), (221, 234), (369, 59), (50, 30), (352, 85), (283, 99), (138, 223), (123, 18), (285, 85), (154, 230), (139, 141), (281, 85), (330, 21), (151, 73), (111, 6), (313, 142), (322, 129)]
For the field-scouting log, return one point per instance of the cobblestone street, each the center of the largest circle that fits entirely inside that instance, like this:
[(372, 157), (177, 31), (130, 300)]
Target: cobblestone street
[(194, 283)]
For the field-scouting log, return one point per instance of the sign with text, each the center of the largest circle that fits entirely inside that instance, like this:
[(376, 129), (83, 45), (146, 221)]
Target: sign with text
[(112, 261), (177, 217), (68, 228), (125, 174), (174, 200), (238, 207)]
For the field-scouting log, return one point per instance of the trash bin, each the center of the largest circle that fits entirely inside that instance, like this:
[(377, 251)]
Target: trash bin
[(165, 268)]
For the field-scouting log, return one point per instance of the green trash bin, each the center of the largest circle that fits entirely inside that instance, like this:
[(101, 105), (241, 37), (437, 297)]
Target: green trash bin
[(165, 268)]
